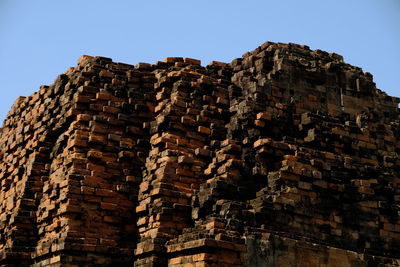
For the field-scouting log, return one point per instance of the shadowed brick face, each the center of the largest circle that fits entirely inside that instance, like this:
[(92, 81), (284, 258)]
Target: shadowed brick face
[(284, 157)]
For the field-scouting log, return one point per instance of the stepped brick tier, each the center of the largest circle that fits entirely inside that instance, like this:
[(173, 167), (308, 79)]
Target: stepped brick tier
[(284, 157)]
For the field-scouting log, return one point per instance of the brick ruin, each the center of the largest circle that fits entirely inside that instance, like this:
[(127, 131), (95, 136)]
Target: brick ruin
[(284, 157)]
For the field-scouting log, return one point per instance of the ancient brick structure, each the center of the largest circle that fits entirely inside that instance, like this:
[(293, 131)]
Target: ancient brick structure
[(284, 157)]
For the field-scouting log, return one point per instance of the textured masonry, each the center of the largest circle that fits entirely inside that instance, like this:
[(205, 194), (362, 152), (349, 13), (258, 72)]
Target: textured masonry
[(284, 157)]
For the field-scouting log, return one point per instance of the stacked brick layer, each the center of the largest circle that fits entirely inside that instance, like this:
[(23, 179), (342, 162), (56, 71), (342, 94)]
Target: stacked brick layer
[(284, 157)]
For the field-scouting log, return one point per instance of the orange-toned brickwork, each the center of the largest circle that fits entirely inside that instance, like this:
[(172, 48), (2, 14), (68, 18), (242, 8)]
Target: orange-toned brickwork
[(283, 157)]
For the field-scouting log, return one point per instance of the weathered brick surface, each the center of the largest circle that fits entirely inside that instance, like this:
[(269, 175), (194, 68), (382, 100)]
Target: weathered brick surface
[(284, 157)]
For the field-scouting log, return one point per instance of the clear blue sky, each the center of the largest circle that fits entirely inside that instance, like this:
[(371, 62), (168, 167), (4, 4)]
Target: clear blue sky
[(40, 39)]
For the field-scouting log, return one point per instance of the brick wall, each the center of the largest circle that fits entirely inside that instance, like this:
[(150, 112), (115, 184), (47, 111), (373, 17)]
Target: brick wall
[(284, 154)]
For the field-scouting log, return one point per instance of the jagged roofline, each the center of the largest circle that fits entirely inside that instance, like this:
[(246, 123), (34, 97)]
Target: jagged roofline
[(329, 58)]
